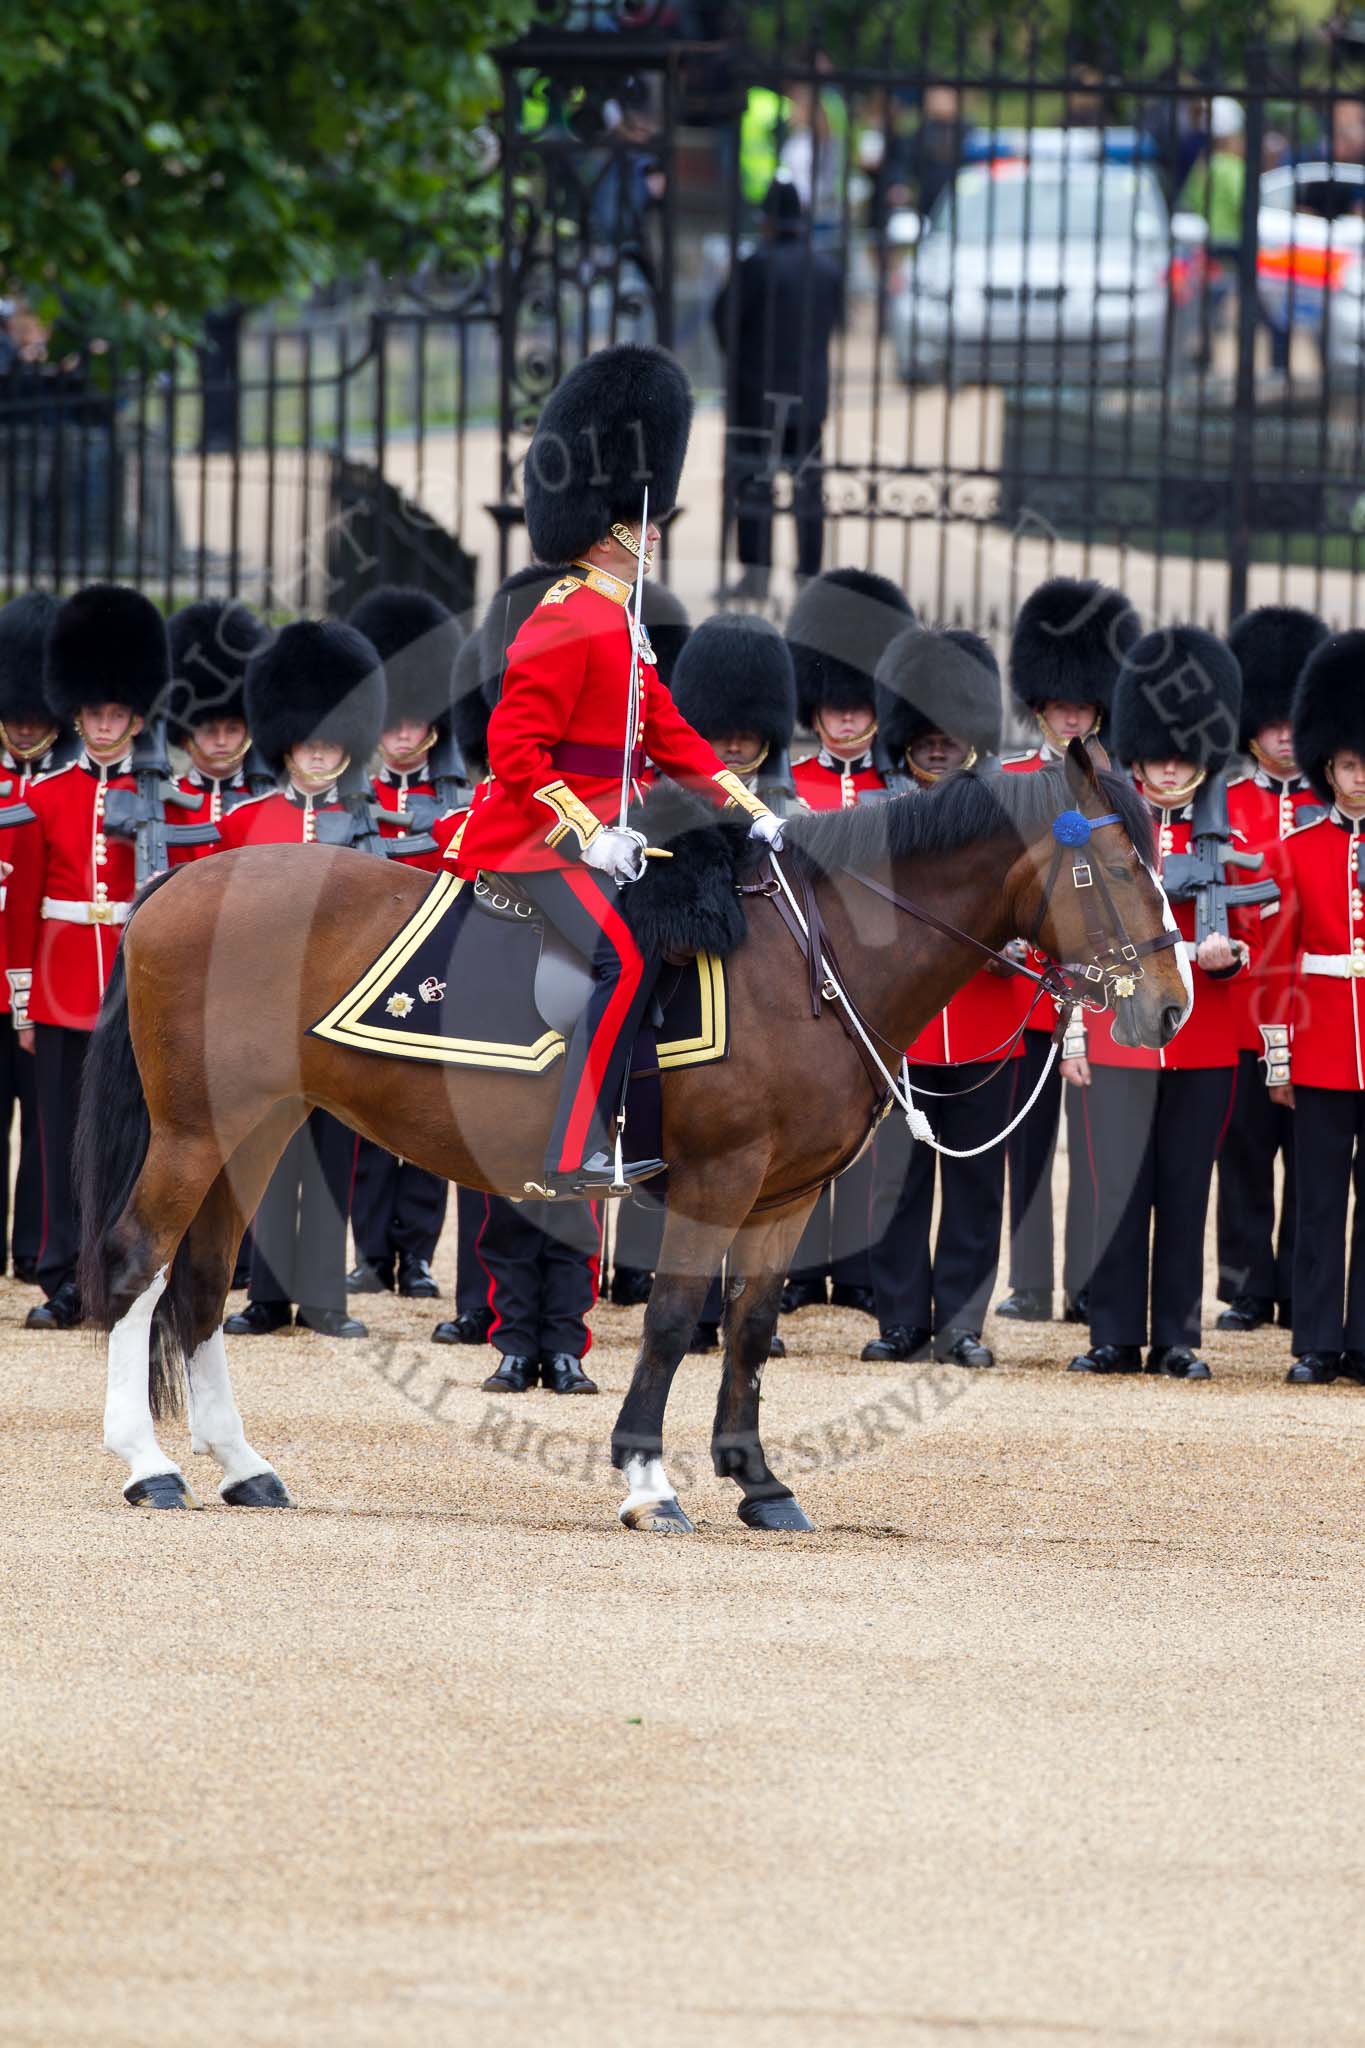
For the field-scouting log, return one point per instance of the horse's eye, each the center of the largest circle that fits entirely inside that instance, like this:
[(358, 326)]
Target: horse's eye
[(1119, 870)]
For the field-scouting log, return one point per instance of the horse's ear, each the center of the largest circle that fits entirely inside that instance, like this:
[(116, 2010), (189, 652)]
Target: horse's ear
[(1094, 747), (1081, 778)]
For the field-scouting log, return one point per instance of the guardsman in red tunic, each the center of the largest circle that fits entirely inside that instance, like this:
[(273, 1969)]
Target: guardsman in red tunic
[(558, 743), (1069, 640), (838, 630), (314, 705), (1315, 1041), (32, 744), (398, 1210), (211, 643), (1154, 1121), (1264, 807), (106, 668), (939, 710)]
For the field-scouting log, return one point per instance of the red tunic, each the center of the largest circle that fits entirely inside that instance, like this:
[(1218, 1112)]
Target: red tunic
[(393, 792), (829, 785), (274, 820), (560, 727), (18, 775), (1322, 914), (1263, 813), (1209, 1035), (87, 880), (978, 1022), (210, 808)]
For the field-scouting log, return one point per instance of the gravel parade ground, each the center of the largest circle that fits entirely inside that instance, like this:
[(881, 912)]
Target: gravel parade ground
[(1048, 1734)]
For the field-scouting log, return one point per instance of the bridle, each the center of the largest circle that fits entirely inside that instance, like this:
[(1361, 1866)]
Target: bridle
[(1115, 967), (1115, 963)]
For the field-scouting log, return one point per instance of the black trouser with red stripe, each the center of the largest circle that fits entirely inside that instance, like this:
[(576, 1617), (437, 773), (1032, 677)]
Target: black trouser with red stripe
[(18, 1085), (1329, 1295), (396, 1207), (541, 1259), (585, 908), (59, 1057), (1031, 1149), (1154, 1137), (298, 1248), (1249, 1260), (941, 1283)]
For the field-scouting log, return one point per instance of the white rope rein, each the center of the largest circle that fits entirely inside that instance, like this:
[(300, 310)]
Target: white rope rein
[(899, 1085)]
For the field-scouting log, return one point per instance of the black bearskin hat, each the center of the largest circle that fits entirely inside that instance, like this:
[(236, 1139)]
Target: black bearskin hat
[(1272, 645), (211, 644), (1178, 697), (668, 627), (469, 712), (510, 606), (617, 423), (107, 644), (938, 682), (317, 679), (23, 627), (1069, 642), (838, 630), (735, 675), (1329, 707), (418, 639)]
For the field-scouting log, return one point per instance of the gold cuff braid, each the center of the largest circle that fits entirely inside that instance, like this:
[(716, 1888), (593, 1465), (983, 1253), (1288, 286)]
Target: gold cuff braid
[(572, 813), (738, 797)]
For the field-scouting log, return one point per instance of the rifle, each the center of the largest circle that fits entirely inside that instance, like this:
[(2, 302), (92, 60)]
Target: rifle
[(356, 825), (140, 814), (14, 814), (449, 777), (258, 779), (1198, 874)]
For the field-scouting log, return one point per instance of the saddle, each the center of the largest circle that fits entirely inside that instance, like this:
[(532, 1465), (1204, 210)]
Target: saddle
[(477, 977), (563, 977)]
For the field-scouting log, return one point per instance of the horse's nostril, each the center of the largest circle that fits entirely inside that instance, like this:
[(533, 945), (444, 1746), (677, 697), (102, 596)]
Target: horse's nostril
[(1170, 1021)]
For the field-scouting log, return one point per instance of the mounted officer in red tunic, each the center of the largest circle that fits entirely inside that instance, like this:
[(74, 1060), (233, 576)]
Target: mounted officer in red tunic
[(561, 745)]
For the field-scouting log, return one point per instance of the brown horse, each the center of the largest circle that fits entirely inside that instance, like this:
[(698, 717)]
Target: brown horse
[(202, 1067)]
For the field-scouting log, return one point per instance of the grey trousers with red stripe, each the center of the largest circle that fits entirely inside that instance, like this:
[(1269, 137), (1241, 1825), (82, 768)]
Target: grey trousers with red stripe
[(585, 908)]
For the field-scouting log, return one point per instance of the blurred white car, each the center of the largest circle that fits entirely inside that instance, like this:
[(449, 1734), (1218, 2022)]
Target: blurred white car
[(1310, 265), (1044, 269)]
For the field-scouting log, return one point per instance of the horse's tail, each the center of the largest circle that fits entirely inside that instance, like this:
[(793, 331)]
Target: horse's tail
[(113, 1130)]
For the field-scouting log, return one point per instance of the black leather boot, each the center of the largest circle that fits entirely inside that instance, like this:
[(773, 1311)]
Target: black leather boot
[(1026, 1305), (562, 1373), (513, 1376)]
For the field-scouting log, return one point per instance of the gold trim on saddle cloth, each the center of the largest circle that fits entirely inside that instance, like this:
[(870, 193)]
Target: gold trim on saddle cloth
[(343, 1023)]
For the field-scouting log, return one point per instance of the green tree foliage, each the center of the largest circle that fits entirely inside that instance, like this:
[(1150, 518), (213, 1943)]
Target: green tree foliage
[(159, 158)]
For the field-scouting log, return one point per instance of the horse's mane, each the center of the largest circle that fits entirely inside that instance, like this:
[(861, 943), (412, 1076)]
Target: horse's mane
[(958, 812)]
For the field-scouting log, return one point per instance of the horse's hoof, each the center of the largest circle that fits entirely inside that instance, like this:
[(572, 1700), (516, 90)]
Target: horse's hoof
[(782, 1513), (262, 1490), (162, 1490), (657, 1518)]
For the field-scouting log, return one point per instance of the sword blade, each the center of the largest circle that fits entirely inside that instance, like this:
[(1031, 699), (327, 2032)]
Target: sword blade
[(633, 700)]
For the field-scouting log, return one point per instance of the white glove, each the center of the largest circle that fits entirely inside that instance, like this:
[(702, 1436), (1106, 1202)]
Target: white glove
[(768, 827), (618, 852)]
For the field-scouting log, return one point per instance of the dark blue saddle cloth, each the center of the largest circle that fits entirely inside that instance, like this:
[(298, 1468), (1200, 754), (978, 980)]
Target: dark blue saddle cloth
[(458, 986)]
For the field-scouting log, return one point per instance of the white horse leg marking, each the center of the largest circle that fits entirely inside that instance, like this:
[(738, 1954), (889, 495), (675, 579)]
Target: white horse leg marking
[(128, 1430), (648, 1484), (215, 1422)]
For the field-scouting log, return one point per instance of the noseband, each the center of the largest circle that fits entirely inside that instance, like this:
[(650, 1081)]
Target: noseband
[(1114, 968)]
